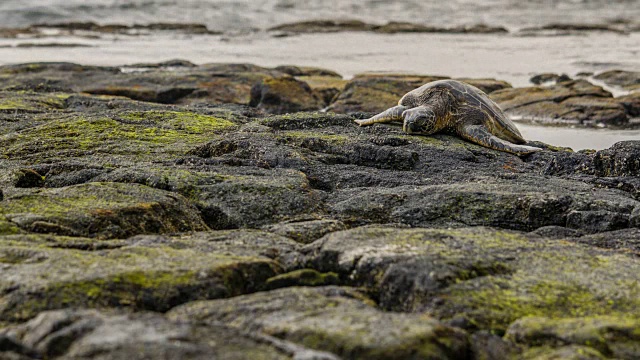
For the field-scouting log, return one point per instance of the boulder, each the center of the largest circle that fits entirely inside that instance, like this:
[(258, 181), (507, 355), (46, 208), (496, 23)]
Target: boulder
[(575, 102), (348, 325)]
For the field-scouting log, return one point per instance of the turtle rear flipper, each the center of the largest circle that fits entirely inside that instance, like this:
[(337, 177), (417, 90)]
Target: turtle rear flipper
[(481, 136), (389, 115)]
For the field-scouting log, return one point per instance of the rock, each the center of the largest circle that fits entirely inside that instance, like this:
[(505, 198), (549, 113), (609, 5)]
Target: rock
[(306, 232), (627, 240), (106, 203), (322, 26), (622, 159), (28, 178), (284, 95), (629, 80), (487, 346), (102, 210), (177, 85), (490, 278), (188, 28), (303, 277), (379, 335), (556, 232), (32, 103), (375, 92), (509, 205), (298, 71), (571, 352), (90, 334), (614, 337), (569, 28), (326, 87), (549, 78), (394, 27), (145, 273), (486, 85), (571, 102), (631, 103)]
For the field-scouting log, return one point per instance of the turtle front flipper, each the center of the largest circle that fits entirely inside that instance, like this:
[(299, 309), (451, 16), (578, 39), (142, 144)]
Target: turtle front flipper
[(389, 115), (481, 136)]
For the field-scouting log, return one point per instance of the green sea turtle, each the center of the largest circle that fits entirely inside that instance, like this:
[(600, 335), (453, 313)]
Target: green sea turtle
[(458, 108)]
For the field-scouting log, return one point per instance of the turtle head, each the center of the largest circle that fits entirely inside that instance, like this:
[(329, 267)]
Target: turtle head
[(419, 120)]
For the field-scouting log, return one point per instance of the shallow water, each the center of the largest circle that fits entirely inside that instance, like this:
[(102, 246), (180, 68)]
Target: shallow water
[(577, 138), (509, 57), (236, 15)]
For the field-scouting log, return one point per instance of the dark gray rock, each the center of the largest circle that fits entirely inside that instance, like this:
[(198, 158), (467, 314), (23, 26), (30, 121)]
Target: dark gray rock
[(477, 276), (90, 334), (348, 324), (548, 78), (622, 159)]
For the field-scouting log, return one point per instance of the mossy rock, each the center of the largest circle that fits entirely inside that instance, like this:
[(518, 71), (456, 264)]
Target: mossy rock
[(615, 337), (627, 79), (30, 102), (306, 231), (575, 102), (373, 93), (488, 278), (303, 277), (92, 334), (102, 210), (127, 133), (571, 352), (143, 273), (285, 95), (519, 204), (338, 320)]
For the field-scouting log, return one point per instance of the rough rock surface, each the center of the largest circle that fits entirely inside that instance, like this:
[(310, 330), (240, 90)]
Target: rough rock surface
[(629, 80), (82, 334), (575, 102), (348, 324), (393, 27), (301, 235), (373, 93)]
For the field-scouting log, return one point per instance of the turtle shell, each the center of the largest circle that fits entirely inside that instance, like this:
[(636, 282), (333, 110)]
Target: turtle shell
[(464, 93)]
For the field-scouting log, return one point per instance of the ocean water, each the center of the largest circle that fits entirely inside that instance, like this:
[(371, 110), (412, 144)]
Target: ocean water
[(236, 15), (511, 57)]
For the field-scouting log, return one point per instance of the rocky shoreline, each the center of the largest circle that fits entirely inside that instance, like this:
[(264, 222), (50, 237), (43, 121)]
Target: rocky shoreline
[(190, 211)]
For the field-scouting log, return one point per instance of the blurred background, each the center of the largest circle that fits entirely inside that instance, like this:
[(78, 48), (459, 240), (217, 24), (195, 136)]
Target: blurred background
[(509, 40)]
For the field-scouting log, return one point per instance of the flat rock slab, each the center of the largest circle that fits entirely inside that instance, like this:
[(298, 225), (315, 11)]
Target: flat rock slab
[(101, 210), (480, 278), (333, 319), (273, 90), (518, 204), (90, 334), (629, 80), (575, 102), (600, 337), (374, 93), (42, 272)]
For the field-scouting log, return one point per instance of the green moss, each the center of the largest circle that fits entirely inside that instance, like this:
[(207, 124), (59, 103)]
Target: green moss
[(303, 135), (139, 278), (156, 291), (7, 228), (24, 101), (129, 133), (180, 121), (303, 277), (102, 210)]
